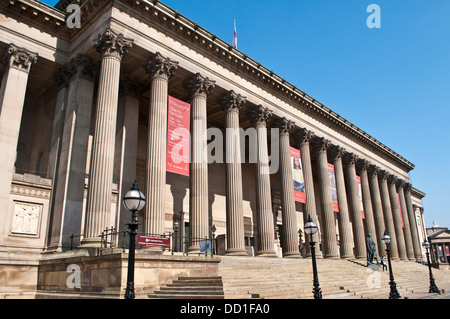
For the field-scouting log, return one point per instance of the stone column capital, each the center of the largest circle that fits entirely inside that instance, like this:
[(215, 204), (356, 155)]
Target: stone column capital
[(408, 187), (197, 85), (161, 67), (18, 57), (259, 115), (112, 44), (231, 101), (302, 136), (336, 151), (80, 66), (286, 126), (350, 159), (383, 175), (362, 165), (392, 179), (401, 183), (373, 170), (321, 144)]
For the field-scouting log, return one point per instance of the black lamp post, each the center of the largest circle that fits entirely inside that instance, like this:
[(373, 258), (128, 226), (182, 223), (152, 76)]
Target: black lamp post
[(310, 229), (133, 201), (433, 287), (393, 293)]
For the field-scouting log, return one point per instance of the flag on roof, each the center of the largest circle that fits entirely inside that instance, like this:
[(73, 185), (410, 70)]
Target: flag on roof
[(234, 43)]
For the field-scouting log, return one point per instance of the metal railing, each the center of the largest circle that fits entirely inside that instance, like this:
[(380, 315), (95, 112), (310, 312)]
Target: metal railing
[(110, 238)]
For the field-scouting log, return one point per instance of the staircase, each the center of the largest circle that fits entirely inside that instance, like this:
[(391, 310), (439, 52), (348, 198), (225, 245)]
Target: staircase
[(276, 278)]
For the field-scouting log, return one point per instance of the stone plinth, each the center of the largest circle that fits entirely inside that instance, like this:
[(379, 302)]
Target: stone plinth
[(107, 274)]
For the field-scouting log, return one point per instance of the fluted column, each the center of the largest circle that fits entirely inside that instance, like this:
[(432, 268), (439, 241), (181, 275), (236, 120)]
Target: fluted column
[(367, 201), (345, 231), (290, 232), (387, 211), (413, 224), (329, 242), (377, 208), (355, 207), (231, 104), (69, 150), (17, 64), (160, 69), (303, 138), (199, 88), (112, 48), (407, 229), (259, 116), (397, 217)]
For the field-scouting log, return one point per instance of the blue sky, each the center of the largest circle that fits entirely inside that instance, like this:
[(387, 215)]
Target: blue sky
[(392, 82)]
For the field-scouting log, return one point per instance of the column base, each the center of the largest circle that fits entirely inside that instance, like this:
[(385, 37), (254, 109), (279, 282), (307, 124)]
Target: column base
[(266, 253), (292, 254), (90, 243), (332, 257), (236, 252)]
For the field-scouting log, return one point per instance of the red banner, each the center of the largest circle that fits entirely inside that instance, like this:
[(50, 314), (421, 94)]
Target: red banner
[(153, 241), (333, 187), (358, 182), (297, 175), (178, 135)]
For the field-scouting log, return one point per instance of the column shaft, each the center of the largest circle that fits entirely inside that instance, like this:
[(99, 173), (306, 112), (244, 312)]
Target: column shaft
[(355, 208), (367, 203), (231, 104), (12, 97), (345, 231), (377, 209), (159, 69), (265, 222), (397, 219), (407, 228), (98, 213), (289, 231), (413, 224), (198, 87), (304, 138), (388, 218), (329, 242)]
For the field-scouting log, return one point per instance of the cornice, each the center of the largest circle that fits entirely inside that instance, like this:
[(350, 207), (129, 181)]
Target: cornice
[(173, 21)]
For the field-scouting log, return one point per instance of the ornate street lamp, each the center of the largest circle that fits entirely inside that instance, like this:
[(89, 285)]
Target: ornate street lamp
[(310, 229), (394, 293), (133, 201), (433, 287)]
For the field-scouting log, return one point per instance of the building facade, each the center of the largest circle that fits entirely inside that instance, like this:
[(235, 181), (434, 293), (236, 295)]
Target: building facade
[(84, 112)]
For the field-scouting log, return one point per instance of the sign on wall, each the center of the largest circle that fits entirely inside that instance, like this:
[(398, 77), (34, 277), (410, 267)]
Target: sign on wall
[(358, 183), (297, 175), (333, 187), (178, 127)]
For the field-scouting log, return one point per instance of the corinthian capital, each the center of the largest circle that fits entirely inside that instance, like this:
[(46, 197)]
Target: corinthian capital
[(373, 170), (231, 101), (19, 58), (198, 85), (159, 66), (259, 114), (350, 159), (112, 44), (302, 136), (335, 152), (286, 126), (321, 144)]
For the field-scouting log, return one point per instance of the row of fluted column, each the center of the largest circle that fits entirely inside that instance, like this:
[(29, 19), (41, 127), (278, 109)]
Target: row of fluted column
[(382, 207), (383, 214)]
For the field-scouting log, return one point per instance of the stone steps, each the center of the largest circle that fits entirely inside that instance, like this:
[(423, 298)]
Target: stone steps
[(276, 278)]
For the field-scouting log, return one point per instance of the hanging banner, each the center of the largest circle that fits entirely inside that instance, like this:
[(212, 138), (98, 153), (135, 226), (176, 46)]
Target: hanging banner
[(400, 207), (297, 175), (358, 182), (333, 187), (178, 135)]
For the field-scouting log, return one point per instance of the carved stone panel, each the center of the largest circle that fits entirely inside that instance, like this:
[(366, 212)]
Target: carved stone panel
[(26, 219)]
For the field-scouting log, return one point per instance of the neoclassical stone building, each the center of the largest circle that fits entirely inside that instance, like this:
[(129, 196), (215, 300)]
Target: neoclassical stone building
[(83, 113)]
